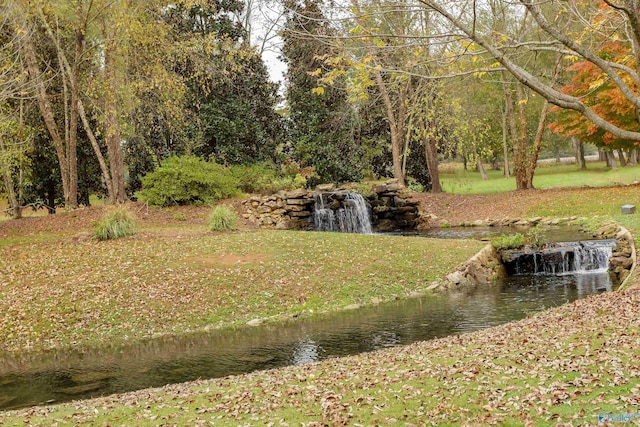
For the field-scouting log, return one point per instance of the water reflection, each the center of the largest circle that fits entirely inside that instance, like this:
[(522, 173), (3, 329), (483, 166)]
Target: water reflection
[(30, 379)]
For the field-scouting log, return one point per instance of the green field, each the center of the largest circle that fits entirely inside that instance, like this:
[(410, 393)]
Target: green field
[(455, 180)]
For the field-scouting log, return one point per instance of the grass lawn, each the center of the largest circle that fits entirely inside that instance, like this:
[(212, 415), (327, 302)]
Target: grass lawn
[(456, 180), (168, 280)]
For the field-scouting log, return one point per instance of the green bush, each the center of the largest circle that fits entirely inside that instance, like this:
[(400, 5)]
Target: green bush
[(117, 222), (187, 180), (265, 178), (512, 241), (222, 218)]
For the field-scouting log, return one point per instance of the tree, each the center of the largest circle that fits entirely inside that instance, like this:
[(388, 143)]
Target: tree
[(604, 97), (560, 35), (322, 122)]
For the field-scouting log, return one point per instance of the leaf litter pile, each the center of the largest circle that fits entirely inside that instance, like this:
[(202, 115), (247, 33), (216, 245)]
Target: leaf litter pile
[(565, 366)]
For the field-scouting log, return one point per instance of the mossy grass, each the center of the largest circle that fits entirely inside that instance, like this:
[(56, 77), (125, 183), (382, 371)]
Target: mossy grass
[(223, 218), (117, 222)]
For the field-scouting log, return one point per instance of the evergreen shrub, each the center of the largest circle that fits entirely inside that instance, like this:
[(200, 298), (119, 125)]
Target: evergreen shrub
[(187, 180)]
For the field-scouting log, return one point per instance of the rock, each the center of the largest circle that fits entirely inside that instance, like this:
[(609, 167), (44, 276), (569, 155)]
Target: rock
[(326, 187), (255, 322), (380, 189), (433, 286), (380, 209), (352, 307), (297, 194), (385, 225), (266, 220), (294, 208), (624, 262), (298, 201), (393, 187), (263, 209), (282, 225), (83, 236), (375, 300), (400, 202), (81, 389), (301, 214)]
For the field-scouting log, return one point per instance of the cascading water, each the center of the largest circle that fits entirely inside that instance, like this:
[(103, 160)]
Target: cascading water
[(341, 211), (589, 256)]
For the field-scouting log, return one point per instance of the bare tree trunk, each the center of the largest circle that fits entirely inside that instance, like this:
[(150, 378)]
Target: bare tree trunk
[(505, 147), (578, 148), (111, 119), (396, 125), (47, 115), (602, 156), (520, 149), (431, 156), (623, 161), (479, 165), (96, 148), (14, 205), (73, 74), (633, 156), (537, 141), (611, 159)]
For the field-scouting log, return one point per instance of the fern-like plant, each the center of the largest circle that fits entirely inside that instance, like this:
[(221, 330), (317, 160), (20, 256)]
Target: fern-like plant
[(222, 218), (117, 222)]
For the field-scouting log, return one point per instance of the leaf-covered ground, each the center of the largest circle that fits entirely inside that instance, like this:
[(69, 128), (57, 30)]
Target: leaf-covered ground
[(566, 366)]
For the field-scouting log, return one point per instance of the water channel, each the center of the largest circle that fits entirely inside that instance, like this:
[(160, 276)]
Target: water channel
[(57, 376)]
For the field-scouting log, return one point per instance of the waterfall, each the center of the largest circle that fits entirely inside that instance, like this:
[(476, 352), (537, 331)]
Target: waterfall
[(588, 256), (341, 211), (592, 256)]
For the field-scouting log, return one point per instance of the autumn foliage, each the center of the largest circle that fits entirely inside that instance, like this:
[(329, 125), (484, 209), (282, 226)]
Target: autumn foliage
[(594, 87)]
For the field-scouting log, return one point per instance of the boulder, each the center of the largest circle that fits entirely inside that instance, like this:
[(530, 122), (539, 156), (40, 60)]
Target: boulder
[(326, 187), (297, 194)]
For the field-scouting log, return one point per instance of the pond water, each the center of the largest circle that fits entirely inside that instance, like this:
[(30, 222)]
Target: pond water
[(556, 233), (58, 376)]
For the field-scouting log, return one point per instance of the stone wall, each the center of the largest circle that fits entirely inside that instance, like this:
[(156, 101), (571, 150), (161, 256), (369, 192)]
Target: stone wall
[(391, 208), (623, 259), (481, 269), (285, 210)]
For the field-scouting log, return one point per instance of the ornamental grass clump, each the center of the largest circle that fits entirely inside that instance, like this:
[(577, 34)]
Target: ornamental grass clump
[(222, 218), (513, 241), (117, 222)]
